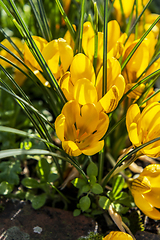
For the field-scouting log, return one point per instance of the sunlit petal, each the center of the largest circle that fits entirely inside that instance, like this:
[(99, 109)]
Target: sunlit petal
[(82, 67), (85, 92)]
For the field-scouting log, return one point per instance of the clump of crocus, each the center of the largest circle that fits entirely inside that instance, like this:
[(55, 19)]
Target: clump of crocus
[(82, 84), (117, 235), (146, 191), (144, 127), (57, 54), (80, 128)]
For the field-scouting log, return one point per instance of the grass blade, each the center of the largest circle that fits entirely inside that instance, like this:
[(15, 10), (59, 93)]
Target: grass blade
[(104, 84)]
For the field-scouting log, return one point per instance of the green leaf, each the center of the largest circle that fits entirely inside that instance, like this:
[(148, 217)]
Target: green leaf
[(117, 185), (85, 203), (76, 212), (30, 183), (92, 169), (9, 171), (93, 179), (39, 201), (104, 202), (5, 188), (120, 209), (97, 188), (52, 177), (78, 182), (85, 189)]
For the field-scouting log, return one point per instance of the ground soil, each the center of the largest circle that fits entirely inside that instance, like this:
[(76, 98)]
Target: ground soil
[(19, 221)]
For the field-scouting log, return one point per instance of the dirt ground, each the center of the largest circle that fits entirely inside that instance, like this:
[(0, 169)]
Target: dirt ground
[(19, 221)]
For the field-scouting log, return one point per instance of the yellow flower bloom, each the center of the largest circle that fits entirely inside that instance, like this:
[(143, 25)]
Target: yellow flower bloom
[(143, 127), (127, 8), (117, 235), (138, 63), (115, 42), (19, 77), (146, 191), (80, 128), (149, 19), (53, 53), (81, 83)]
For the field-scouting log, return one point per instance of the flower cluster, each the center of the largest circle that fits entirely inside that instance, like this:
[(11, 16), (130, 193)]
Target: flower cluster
[(95, 91)]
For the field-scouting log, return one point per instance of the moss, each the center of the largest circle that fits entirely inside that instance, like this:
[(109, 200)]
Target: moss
[(92, 236)]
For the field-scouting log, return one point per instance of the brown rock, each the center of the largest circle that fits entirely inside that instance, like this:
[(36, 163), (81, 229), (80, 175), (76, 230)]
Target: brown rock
[(47, 223), (146, 236)]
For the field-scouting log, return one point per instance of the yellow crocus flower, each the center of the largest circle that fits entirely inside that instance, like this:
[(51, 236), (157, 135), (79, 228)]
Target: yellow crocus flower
[(143, 127), (127, 8), (138, 63), (53, 52), (115, 42), (81, 83), (146, 191), (19, 77), (80, 128), (117, 235)]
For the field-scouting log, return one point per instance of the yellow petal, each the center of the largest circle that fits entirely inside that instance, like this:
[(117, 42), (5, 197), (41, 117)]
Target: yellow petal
[(154, 214), (136, 64), (28, 56), (88, 33), (153, 152), (153, 197), (113, 72), (102, 127), (51, 54), (19, 77), (133, 134), (67, 86), (113, 34), (141, 202), (88, 120), (133, 115), (150, 116), (5, 54), (71, 111), (120, 84), (81, 67), (93, 148), (117, 235), (65, 50), (152, 170), (85, 92), (110, 100), (59, 126), (71, 148)]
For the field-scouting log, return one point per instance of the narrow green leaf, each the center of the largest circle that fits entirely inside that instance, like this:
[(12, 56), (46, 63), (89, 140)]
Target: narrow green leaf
[(81, 26), (138, 44), (104, 85), (68, 24), (117, 185)]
